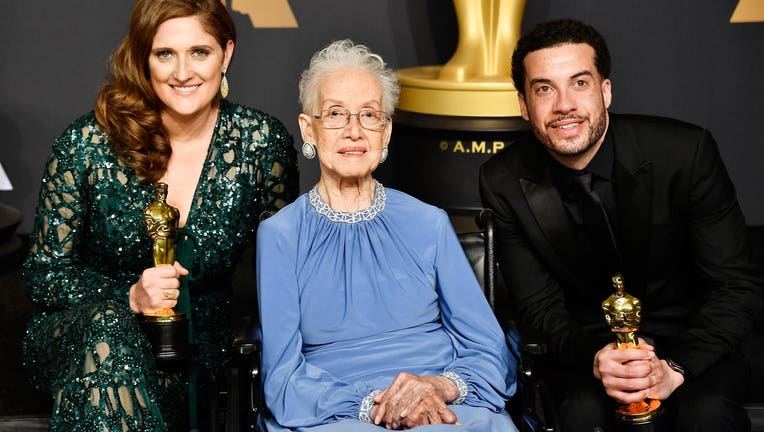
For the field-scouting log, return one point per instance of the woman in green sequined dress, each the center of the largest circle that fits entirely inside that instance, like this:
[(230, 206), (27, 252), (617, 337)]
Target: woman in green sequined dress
[(157, 118)]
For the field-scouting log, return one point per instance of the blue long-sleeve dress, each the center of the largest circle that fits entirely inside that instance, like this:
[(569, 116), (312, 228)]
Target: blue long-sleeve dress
[(349, 300)]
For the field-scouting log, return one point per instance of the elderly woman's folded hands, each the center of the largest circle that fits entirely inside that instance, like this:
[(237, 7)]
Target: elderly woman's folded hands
[(413, 400)]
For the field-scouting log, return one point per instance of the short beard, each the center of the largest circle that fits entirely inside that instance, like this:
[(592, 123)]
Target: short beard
[(596, 130)]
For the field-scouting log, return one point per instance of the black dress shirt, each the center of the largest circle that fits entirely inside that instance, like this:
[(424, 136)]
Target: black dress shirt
[(605, 260)]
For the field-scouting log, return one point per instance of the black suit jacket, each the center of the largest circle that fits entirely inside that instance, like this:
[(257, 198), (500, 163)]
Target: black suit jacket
[(682, 236)]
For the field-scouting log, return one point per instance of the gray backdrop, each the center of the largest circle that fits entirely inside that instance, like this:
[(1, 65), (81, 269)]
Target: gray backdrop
[(678, 58)]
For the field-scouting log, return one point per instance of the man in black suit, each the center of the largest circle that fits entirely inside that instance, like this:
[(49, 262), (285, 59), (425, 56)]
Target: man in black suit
[(668, 221)]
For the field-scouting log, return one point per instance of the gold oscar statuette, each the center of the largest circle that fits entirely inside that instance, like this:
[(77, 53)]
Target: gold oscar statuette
[(166, 329), (623, 313), (161, 221)]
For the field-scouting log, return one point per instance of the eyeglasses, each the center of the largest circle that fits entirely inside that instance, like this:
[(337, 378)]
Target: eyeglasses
[(338, 118)]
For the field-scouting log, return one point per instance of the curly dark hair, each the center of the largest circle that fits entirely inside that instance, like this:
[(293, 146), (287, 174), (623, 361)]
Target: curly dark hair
[(554, 33), (127, 106)]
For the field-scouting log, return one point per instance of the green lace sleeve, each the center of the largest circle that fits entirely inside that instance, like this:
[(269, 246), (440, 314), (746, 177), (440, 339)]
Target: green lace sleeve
[(55, 275), (280, 175)]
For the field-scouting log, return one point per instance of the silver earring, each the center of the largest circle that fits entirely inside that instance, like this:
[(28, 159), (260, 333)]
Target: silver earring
[(224, 85), (308, 150), (383, 156)]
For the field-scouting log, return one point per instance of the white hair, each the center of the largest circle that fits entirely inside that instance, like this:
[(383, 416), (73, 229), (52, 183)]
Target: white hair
[(344, 54)]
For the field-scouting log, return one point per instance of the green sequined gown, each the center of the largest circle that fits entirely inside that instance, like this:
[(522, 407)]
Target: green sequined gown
[(89, 245)]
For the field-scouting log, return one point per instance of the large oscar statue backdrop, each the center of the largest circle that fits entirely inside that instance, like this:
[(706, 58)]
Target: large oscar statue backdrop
[(11, 244), (453, 117)]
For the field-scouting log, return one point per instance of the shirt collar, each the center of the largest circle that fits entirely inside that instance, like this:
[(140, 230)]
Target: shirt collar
[(601, 166)]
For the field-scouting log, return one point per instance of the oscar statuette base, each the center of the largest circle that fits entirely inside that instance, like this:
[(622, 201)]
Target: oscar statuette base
[(422, 91), (652, 421), (639, 422), (168, 336)]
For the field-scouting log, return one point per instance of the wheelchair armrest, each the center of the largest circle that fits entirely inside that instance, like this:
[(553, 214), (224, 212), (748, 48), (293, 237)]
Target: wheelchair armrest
[(245, 347), (539, 412), (533, 348), (245, 394)]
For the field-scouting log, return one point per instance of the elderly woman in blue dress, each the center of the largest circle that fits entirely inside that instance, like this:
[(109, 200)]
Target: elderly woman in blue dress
[(371, 315)]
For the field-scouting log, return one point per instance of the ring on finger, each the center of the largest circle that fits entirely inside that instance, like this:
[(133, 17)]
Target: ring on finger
[(168, 294)]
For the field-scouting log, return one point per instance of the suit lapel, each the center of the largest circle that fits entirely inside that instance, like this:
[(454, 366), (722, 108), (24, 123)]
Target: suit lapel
[(565, 251), (546, 204)]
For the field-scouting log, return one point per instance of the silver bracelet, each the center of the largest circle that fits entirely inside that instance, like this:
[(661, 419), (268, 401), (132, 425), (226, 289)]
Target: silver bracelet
[(460, 385), (364, 414)]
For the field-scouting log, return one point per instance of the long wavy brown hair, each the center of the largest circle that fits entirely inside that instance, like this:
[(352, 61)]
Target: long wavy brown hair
[(127, 106)]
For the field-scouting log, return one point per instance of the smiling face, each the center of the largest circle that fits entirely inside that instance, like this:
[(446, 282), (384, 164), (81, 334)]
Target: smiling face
[(566, 102), (351, 152), (185, 65)]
